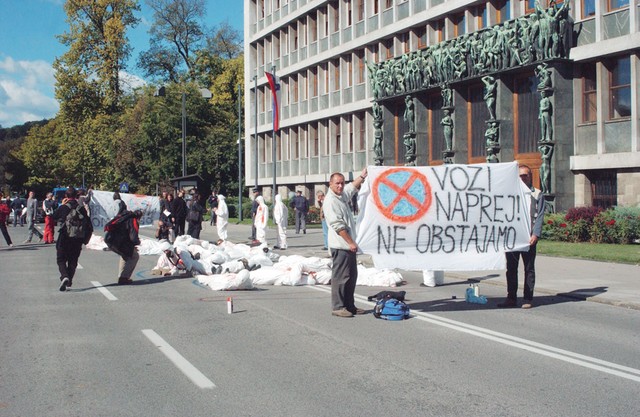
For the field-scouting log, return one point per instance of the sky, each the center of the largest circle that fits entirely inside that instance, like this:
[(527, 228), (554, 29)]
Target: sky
[(28, 46)]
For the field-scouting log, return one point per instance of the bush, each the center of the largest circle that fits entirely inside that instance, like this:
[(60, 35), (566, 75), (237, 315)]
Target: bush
[(619, 225)]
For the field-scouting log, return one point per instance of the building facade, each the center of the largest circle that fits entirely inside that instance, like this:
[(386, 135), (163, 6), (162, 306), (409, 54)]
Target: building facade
[(425, 82)]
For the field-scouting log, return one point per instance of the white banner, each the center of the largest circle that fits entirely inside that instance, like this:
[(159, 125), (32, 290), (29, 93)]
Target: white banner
[(103, 207), (447, 217)]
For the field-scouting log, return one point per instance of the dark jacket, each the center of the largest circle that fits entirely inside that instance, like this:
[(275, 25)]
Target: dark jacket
[(197, 207), (179, 208), (300, 203), (59, 217), (123, 234)]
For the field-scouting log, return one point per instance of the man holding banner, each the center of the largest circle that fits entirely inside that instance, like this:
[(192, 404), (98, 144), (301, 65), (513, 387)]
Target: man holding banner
[(342, 243), (537, 204)]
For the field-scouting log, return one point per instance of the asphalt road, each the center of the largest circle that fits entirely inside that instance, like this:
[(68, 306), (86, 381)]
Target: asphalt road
[(168, 347)]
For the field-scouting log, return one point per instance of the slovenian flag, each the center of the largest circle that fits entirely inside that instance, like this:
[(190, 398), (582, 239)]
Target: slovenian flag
[(275, 91)]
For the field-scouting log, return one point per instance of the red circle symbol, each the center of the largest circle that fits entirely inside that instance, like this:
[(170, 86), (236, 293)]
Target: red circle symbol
[(402, 195)]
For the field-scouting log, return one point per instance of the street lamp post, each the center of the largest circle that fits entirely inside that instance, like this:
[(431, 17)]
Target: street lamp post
[(239, 153), (204, 93)]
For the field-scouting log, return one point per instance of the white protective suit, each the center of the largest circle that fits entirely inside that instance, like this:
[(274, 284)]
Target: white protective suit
[(260, 222), (280, 218), (222, 211)]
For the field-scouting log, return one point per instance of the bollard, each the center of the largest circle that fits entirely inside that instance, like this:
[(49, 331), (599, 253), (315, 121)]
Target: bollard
[(229, 305)]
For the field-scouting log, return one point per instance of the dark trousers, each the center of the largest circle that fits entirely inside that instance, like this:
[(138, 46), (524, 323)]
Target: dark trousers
[(529, 261), (253, 226), (344, 274), (301, 221), (67, 254), (5, 233), (213, 218), (194, 229), (179, 227)]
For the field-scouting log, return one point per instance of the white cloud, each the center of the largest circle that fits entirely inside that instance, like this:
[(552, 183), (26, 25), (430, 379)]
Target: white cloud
[(26, 91)]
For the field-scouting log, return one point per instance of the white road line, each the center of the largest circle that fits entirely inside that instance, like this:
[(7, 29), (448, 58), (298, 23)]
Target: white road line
[(178, 360), (79, 267), (531, 346), (104, 291)]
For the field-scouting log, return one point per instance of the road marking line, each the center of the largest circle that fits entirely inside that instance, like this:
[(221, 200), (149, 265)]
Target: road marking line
[(104, 291), (513, 341), (178, 360), (79, 267)]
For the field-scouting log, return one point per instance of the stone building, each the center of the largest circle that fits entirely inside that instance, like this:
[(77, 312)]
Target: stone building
[(425, 82)]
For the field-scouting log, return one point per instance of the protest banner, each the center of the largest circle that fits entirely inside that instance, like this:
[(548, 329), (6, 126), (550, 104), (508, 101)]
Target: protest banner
[(447, 217), (103, 208)]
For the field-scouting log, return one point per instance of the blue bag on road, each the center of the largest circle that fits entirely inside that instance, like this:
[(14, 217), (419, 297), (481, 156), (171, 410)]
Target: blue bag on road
[(391, 309)]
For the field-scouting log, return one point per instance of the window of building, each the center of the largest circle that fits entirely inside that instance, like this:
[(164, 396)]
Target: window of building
[(314, 140), (503, 9), (589, 93), (480, 14), (336, 17), (325, 70), (526, 107), (388, 4), (304, 86), (284, 92), (604, 188), (349, 67), (404, 42), (284, 42), (293, 36), (375, 6), (336, 75), (262, 149), (588, 8), (350, 130), (360, 11), (349, 12), (438, 29), (360, 69), (361, 129), (302, 29), (387, 48), (478, 115), (276, 47), (261, 9), (313, 29), (616, 4), (276, 4), (530, 6), (619, 87), (294, 89), (313, 73), (295, 144), (459, 24), (277, 144), (337, 138), (421, 35), (324, 22)]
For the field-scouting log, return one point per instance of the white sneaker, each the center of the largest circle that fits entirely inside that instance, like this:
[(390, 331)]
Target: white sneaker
[(63, 284)]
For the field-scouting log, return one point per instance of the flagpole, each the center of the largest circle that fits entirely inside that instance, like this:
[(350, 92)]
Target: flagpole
[(273, 135)]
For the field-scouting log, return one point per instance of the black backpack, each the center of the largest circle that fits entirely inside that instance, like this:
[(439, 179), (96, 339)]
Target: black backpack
[(78, 224)]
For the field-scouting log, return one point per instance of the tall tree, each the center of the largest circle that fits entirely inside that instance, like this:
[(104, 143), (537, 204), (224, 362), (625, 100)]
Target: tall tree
[(88, 74), (177, 31)]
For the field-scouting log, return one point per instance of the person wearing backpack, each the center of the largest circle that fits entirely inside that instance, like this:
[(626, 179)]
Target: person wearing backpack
[(122, 238), (75, 229)]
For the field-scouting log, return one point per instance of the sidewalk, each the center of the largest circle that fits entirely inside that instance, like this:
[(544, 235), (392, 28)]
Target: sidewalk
[(608, 283)]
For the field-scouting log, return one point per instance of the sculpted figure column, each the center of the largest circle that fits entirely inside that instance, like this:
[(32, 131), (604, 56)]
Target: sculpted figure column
[(410, 135), (447, 124), (377, 134)]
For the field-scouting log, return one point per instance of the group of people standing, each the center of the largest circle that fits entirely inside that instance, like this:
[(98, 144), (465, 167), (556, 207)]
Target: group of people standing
[(177, 212)]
